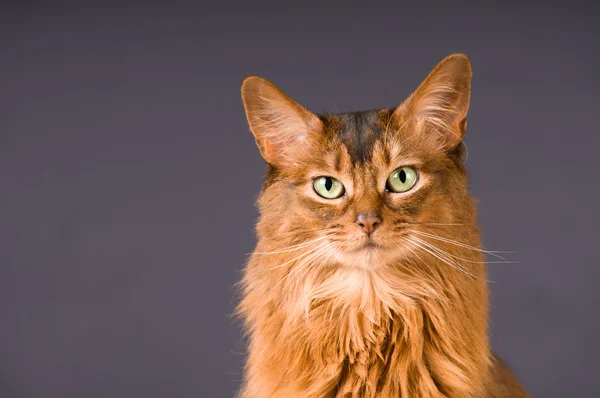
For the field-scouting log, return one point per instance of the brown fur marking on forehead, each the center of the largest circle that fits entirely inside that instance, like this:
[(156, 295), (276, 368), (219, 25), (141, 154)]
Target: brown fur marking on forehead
[(357, 131)]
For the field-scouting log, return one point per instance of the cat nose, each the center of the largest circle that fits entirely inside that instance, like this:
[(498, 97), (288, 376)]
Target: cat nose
[(367, 221)]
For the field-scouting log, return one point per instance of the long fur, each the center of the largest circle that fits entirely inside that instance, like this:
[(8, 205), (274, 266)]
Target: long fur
[(325, 321)]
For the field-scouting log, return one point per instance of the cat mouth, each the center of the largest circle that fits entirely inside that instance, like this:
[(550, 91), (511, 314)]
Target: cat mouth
[(369, 245)]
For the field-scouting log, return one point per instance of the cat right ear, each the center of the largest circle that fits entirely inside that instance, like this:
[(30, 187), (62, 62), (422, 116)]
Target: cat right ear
[(282, 127), (439, 105)]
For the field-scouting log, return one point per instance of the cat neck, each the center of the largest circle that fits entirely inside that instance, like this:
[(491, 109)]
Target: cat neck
[(384, 333)]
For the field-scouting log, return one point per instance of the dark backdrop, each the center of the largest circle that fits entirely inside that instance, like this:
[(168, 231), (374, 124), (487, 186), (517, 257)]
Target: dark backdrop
[(128, 177)]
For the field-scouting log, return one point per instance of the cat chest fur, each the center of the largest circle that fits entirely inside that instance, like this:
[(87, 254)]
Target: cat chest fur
[(353, 344), (368, 279)]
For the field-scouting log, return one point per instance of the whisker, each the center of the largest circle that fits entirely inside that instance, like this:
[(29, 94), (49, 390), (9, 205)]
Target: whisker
[(464, 259), (438, 250), (293, 247), (404, 221), (457, 243), (306, 253), (307, 261), (446, 255), (336, 108), (413, 251), (324, 254), (446, 224), (453, 265), (301, 265), (296, 232)]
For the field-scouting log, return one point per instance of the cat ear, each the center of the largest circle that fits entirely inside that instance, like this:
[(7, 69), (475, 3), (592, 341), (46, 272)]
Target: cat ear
[(281, 127), (441, 102)]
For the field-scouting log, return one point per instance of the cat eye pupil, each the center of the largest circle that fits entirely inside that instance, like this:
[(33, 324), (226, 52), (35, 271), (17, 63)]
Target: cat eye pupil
[(328, 187), (402, 179), (402, 176)]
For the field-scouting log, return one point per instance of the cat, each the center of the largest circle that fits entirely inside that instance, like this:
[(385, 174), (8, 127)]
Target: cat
[(368, 278)]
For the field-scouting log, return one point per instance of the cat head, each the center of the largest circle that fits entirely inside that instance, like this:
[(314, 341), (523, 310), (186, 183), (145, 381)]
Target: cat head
[(355, 184)]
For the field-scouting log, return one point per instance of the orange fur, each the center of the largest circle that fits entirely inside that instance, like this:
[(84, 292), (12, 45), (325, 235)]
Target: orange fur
[(326, 318)]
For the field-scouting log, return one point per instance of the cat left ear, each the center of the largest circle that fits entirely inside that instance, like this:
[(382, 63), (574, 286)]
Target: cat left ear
[(441, 102), (281, 127)]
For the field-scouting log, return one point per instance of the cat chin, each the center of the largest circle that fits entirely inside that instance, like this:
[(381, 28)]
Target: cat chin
[(369, 258)]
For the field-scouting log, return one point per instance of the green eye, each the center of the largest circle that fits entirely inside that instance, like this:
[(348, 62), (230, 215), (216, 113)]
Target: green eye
[(402, 179), (328, 187)]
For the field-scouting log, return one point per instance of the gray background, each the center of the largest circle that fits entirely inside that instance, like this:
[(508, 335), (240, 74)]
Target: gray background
[(128, 176)]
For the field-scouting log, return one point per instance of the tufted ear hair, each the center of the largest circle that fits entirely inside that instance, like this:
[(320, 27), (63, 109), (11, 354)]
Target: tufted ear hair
[(282, 127), (440, 104)]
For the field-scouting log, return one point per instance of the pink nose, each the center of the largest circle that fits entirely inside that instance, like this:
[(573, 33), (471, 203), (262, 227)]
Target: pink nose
[(367, 221)]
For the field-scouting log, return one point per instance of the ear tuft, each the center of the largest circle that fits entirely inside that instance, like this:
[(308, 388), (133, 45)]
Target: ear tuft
[(281, 126), (440, 104)]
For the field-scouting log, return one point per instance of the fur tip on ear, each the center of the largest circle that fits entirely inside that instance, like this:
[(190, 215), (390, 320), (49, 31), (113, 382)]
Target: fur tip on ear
[(455, 67), (279, 124), (440, 104), (253, 84)]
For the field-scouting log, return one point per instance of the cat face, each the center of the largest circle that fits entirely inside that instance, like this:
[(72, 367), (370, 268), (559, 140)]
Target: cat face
[(358, 184)]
